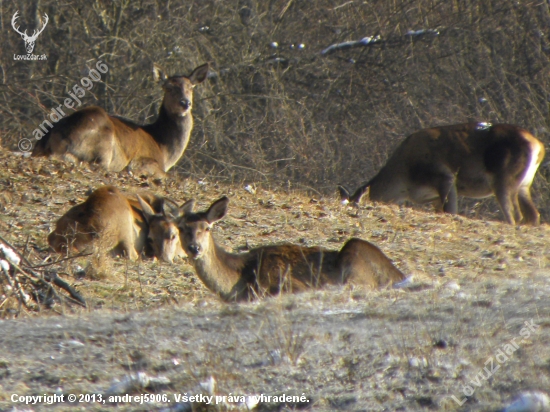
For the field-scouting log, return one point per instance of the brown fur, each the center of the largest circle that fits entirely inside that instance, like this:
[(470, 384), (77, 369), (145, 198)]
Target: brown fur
[(116, 223), (269, 270), (92, 135), (163, 234), (473, 160)]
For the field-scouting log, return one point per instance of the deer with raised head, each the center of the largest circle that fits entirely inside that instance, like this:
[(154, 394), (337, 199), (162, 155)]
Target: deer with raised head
[(119, 224), (269, 270), (29, 40), (473, 160), (115, 143)]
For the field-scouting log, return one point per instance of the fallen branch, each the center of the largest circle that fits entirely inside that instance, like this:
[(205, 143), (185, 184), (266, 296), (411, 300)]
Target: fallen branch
[(25, 284)]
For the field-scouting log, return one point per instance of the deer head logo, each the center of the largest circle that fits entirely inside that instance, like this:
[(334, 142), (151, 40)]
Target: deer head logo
[(29, 40)]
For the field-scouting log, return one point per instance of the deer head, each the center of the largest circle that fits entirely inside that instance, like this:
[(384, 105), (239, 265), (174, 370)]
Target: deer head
[(29, 40)]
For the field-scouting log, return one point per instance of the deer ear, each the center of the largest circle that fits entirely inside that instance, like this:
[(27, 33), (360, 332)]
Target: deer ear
[(169, 209), (344, 193), (187, 207), (217, 210), (146, 208), (158, 73), (199, 74)]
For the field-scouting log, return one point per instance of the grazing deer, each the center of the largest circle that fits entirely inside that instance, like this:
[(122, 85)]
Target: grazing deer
[(92, 135), (472, 160), (269, 270), (119, 224)]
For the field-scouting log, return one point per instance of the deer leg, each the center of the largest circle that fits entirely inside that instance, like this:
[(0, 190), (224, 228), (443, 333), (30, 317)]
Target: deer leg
[(127, 249), (356, 196), (104, 154), (516, 207), (344, 193), (504, 196), (448, 194), (438, 205), (528, 209), (146, 166)]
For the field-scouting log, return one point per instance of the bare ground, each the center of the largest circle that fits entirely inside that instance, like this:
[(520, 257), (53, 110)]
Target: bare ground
[(477, 282)]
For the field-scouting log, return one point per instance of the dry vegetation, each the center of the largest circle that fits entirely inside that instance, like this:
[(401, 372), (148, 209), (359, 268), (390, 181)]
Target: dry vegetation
[(292, 123), (477, 282), (288, 115)]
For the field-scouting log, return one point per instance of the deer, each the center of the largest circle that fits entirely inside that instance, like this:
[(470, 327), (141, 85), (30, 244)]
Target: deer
[(114, 143), (475, 160), (120, 224), (29, 40), (272, 269)]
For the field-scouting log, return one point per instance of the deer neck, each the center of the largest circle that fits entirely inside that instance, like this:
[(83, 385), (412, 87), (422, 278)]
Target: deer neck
[(172, 135), (388, 185), (221, 271)]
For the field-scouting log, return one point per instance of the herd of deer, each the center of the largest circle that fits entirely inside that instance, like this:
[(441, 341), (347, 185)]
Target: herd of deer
[(433, 165)]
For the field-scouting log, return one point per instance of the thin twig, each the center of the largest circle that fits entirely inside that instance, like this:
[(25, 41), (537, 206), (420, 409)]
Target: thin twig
[(24, 259), (75, 296), (232, 165), (29, 273), (61, 260)]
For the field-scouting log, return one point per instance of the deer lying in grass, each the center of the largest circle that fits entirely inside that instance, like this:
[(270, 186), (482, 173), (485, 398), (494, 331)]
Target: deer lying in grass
[(92, 135), (472, 160), (269, 270), (118, 224)]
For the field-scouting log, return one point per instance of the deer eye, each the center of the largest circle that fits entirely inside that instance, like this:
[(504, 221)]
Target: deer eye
[(207, 229)]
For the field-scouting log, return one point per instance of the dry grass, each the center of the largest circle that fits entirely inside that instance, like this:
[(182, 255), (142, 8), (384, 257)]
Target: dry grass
[(347, 349), (291, 114), (432, 247)]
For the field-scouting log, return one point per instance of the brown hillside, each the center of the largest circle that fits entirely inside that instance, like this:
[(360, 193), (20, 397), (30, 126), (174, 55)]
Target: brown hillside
[(477, 282), (291, 113)]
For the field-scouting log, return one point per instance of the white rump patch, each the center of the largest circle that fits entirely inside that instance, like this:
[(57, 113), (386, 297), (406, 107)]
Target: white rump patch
[(533, 164)]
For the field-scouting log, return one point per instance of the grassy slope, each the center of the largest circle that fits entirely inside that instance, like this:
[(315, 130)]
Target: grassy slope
[(346, 349)]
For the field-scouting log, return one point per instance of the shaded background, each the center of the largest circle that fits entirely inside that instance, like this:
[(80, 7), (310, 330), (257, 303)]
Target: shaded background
[(290, 116)]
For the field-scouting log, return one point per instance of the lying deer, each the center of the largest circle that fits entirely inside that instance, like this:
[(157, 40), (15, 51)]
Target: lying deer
[(92, 135), (118, 224), (472, 160), (269, 270)]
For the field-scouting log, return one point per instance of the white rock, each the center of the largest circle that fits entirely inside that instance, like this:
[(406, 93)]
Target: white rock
[(530, 402), (135, 381), (407, 283), (209, 385), (252, 401), (452, 285), (71, 344)]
